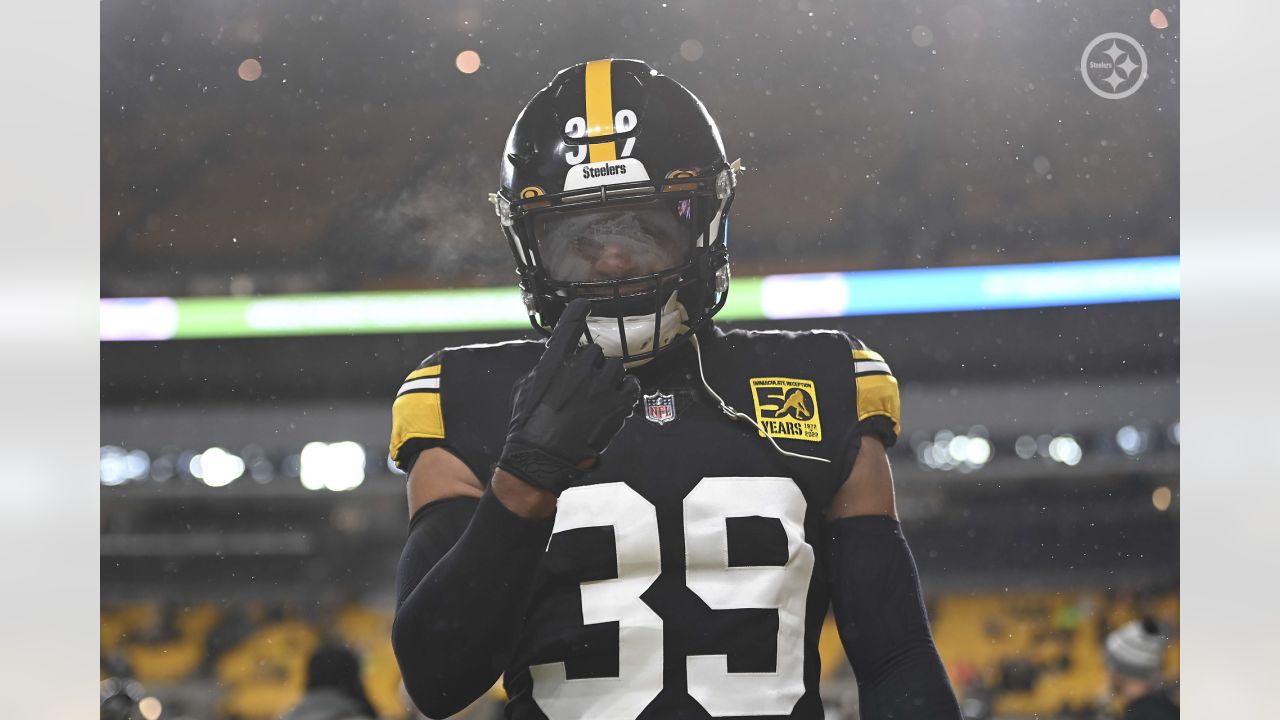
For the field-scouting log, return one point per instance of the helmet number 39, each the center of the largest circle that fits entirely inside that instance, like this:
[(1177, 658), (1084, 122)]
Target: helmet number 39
[(623, 121)]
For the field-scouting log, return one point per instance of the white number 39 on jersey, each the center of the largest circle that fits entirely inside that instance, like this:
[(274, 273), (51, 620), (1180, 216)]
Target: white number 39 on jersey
[(708, 574)]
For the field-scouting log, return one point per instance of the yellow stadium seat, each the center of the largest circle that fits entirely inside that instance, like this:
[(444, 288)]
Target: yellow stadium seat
[(261, 701), (164, 662)]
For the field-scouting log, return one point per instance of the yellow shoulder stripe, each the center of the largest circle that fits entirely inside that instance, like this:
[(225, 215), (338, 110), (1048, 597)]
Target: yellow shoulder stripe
[(867, 355), (429, 371), (878, 395), (877, 388), (415, 415)]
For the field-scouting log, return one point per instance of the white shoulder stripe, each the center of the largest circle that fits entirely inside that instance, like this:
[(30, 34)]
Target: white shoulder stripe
[(861, 366), (429, 383)]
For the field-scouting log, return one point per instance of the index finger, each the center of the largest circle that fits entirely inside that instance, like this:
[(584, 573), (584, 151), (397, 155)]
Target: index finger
[(571, 325)]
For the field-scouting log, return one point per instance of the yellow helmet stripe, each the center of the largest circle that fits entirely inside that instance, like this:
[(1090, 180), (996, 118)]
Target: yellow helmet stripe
[(600, 109)]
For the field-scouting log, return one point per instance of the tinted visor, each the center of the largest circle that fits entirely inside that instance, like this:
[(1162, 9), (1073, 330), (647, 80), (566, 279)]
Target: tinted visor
[(616, 242)]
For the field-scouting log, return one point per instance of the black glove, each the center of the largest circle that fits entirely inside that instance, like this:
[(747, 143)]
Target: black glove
[(567, 409)]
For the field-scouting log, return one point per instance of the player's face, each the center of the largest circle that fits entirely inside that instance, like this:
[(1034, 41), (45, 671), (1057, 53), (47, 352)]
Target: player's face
[(615, 243)]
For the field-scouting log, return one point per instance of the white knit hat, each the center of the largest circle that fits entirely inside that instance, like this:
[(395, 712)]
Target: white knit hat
[(1137, 648)]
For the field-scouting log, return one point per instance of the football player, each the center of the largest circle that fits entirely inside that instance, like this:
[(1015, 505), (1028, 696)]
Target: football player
[(646, 515)]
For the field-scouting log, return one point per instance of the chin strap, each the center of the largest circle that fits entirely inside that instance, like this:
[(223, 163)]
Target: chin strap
[(733, 414)]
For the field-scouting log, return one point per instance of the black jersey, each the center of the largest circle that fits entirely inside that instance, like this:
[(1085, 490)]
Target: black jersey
[(685, 576)]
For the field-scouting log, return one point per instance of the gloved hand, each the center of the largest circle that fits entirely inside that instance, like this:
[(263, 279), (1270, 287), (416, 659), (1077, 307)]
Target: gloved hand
[(567, 409)]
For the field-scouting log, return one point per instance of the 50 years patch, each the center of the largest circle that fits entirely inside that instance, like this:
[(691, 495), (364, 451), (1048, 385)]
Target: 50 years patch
[(787, 408)]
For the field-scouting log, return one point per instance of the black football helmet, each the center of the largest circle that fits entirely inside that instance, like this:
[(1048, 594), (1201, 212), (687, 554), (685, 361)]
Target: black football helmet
[(615, 187)]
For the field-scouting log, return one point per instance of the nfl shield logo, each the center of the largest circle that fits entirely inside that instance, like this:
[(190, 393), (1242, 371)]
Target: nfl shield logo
[(659, 408)]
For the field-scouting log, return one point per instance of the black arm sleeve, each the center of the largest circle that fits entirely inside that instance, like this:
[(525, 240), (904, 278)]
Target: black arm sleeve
[(462, 588), (875, 595)]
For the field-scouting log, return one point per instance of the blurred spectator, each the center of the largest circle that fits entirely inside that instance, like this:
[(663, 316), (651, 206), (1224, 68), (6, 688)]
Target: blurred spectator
[(1134, 655), (115, 664), (334, 689), (1066, 620), (233, 626), (1018, 675), (120, 699)]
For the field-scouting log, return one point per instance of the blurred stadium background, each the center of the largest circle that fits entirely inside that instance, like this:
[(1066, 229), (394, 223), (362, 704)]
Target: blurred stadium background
[(293, 215)]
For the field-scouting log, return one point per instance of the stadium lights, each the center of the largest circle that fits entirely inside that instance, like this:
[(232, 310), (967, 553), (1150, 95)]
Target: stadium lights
[(216, 467), (467, 62), (345, 465), (332, 466), (1066, 450), (1161, 498), (977, 451), (259, 467), (1063, 449), (162, 469), (1133, 440), (150, 708), (117, 466), (249, 70), (787, 296), (949, 451)]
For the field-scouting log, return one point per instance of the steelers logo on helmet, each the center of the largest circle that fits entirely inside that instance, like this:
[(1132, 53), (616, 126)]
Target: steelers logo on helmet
[(637, 212)]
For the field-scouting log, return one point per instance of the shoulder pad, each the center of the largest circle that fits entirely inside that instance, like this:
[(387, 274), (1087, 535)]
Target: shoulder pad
[(418, 416), (417, 412), (879, 406)]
